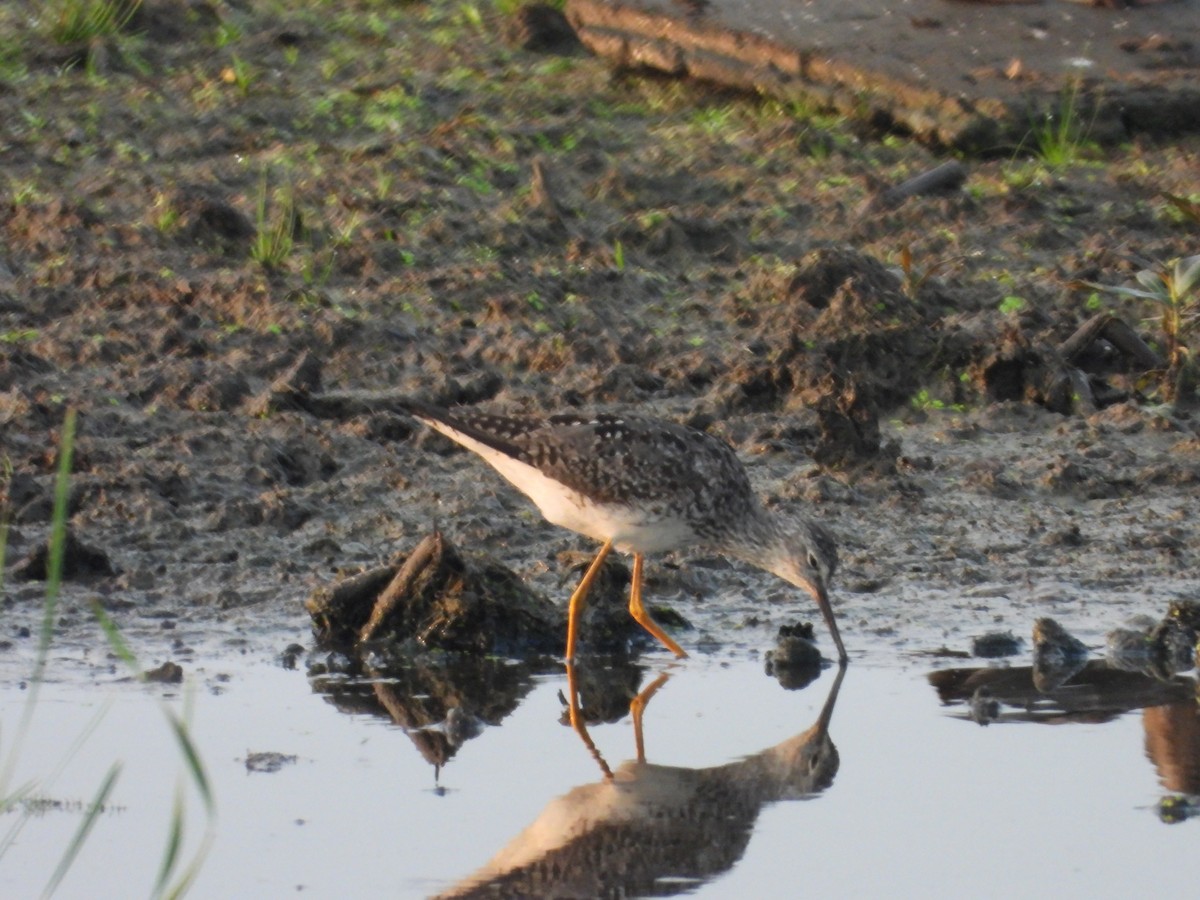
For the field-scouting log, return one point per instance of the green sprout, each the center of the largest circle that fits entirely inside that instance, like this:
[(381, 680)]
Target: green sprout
[(1174, 288)]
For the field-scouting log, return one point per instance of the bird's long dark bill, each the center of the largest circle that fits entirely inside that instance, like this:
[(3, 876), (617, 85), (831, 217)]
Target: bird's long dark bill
[(822, 598)]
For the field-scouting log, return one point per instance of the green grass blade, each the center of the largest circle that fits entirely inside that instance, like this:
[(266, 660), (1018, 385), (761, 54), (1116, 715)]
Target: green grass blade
[(6, 474), (58, 541), (85, 828), (174, 843), (195, 764), (47, 783), (54, 563), (112, 634), (1187, 276)]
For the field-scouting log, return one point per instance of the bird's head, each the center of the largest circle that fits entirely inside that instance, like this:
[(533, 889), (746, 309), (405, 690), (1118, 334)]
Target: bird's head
[(809, 560)]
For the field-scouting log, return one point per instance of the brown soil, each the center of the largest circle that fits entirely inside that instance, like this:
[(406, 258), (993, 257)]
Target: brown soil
[(478, 222)]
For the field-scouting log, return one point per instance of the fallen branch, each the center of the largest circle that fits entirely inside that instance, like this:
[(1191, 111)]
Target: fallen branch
[(946, 177), (1118, 333)]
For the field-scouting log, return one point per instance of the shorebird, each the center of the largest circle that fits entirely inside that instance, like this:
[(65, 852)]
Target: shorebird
[(642, 485)]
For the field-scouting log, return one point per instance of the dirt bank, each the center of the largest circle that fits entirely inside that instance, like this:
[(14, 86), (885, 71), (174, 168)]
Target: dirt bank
[(461, 219)]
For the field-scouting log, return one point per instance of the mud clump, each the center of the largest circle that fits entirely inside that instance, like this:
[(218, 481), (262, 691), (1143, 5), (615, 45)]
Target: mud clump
[(996, 645), (1141, 671), (794, 661), (435, 598), (168, 673), (80, 562), (849, 344), (1057, 655), (1162, 648)]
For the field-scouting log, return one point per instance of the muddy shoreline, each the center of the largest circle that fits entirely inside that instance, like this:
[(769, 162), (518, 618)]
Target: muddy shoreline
[(477, 223)]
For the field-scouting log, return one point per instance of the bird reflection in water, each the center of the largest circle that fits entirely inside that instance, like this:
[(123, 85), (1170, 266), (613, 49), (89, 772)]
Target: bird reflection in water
[(651, 829)]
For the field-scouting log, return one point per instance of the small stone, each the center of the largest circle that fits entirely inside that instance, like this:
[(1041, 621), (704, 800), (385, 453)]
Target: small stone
[(795, 660), (268, 761), (996, 644), (168, 673)]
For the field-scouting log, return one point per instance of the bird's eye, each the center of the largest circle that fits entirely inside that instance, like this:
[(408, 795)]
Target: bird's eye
[(812, 561)]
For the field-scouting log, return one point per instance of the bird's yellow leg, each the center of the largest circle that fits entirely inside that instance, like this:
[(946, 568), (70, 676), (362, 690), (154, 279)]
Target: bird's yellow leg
[(579, 599), (639, 612), (637, 706)]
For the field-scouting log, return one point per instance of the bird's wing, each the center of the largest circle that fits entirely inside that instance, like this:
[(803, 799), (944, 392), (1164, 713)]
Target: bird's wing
[(617, 458), (497, 432)]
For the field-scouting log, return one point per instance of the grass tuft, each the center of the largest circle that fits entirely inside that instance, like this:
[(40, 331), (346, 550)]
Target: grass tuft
[(274, 230), (1063, 137), (83, 21)]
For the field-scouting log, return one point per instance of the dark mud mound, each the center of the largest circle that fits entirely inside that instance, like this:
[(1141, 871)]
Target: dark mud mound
[(847, 342), (80, 561), (437, 598)]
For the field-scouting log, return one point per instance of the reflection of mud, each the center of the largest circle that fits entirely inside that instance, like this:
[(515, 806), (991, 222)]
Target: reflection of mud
[(440, 703), (794, 661), (444, 700), (1095, 693), (1173, 744), (605, 691), (1063, 686), (628, 834)]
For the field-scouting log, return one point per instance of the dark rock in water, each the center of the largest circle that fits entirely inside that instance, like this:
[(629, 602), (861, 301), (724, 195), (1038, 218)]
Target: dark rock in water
[(1186, 612), (795, 660), (996, 644), (1159, 650), (1052, 642), (291, 655), (268, 761), (80, 562), (1175, 645), (1175, 809), (985, 708), (1057, 655), (168, 673), (1129, 649), (437, 599)]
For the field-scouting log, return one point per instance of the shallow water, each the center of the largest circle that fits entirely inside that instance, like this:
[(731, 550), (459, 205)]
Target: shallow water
[(921, 801)]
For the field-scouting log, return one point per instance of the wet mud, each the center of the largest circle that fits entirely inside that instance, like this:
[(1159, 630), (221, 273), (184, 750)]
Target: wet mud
[(588, 240)]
